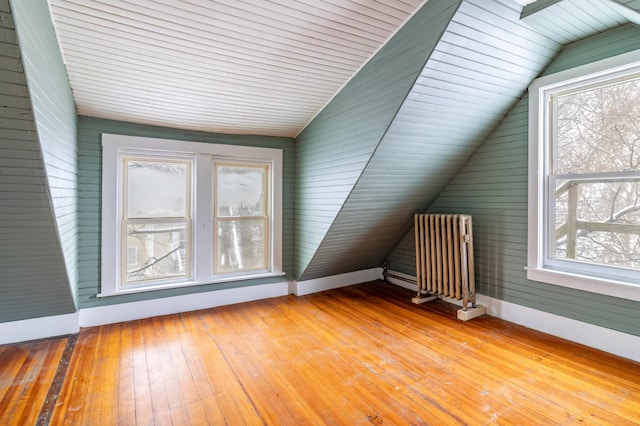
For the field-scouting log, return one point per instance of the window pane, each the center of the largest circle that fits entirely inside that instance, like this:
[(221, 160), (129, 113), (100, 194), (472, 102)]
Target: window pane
[(241, 245), (598, 222), (240, 191), (160, 250), (157, 189), (598, 130)]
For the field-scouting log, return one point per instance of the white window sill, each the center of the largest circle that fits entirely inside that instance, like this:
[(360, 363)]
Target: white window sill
[(184, 284), (605, 286)]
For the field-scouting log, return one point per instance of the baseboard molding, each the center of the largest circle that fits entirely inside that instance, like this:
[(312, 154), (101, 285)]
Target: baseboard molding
[(130, 311), (300, 288), (615, 342), (38, 328), (612, 341)]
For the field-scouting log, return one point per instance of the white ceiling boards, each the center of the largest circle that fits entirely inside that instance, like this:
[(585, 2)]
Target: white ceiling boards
[(253, 67)]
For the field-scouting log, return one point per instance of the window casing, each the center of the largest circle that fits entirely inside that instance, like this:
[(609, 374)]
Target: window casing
[(584, 206), (162, 225)]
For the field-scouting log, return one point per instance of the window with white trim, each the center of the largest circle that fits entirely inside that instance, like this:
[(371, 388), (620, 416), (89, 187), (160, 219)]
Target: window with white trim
[(584, 178), (177, 213), (241, 219)]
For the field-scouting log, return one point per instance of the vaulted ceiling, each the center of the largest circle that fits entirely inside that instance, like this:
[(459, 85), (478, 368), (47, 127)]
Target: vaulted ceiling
[(231, 66), (456, 69), (259, 67)]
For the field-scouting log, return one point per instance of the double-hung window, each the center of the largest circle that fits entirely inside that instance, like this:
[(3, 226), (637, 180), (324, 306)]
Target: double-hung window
[(241, 218), (584, 178), (156, 219), (177, 213)]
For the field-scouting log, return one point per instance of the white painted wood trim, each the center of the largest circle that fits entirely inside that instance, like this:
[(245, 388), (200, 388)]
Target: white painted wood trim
[(300, 288), (612, 341), (203, 155), (587, 277), (615, 342), (38, 328), (172, 305)]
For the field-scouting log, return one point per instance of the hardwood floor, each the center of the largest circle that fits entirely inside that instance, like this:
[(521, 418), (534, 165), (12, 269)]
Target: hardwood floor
[(358, 355), (27, 372)]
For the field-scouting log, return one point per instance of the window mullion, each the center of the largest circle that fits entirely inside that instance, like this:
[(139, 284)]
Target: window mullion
[(203, 211)]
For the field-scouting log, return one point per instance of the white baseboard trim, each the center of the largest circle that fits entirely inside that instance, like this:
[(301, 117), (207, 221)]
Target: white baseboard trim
[(130, 311), (38, 328), (612, 341), (300, 288)]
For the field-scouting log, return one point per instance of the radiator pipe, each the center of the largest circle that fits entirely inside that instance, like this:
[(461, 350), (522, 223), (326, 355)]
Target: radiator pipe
[(385, 274)]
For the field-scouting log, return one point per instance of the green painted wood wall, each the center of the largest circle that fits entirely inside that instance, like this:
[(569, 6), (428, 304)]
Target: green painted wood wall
[(337, 145), (90, 198), (477, 67), (492, 186), (37, 168), (55, 116)]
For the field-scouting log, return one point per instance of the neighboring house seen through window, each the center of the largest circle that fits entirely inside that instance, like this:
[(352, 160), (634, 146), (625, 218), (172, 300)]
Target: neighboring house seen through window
[(584, 178), (181, 213)]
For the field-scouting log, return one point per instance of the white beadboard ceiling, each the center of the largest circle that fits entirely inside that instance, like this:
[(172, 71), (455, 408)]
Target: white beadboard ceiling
[(252, 67), (232, 66)]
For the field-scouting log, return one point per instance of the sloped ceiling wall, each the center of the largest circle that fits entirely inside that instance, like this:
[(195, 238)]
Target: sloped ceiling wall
[(34, 279), (480, 65), (336, 146), (483, 61), (492, 187)]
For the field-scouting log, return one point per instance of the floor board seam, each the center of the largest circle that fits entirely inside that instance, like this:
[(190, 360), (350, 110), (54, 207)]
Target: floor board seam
[(44, 417)]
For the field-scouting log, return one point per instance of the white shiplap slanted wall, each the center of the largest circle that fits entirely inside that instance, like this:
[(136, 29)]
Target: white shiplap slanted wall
[(253, 67), (33, 275)]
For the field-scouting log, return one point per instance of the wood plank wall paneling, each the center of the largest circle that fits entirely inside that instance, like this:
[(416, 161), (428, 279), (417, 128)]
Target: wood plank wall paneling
[(492, 186), (55, 119), (614, 42), (33, 274), (335, 147), (357, 355), (631, 4), (570, 20), (90, 199), (476, 72)]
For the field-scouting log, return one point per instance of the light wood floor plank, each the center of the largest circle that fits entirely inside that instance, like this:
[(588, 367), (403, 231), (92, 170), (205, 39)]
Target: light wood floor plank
[(157, 354), (231, 396), (74, 390), (27, 371), (141, 403)]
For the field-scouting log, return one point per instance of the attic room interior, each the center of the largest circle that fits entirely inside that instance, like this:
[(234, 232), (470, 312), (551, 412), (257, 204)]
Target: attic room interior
[(209, 211)]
